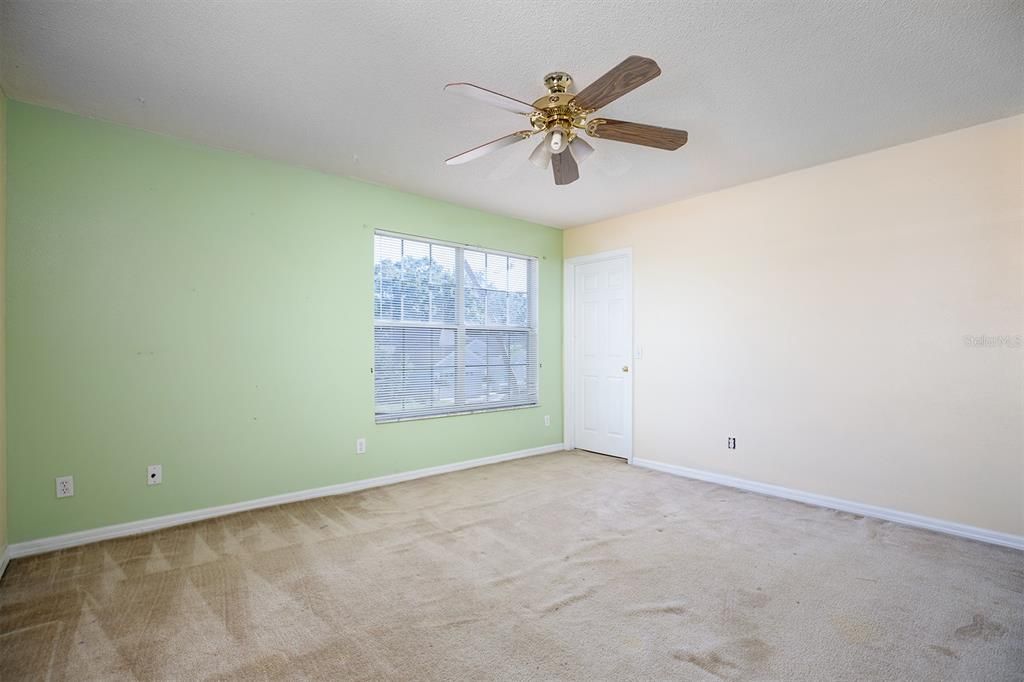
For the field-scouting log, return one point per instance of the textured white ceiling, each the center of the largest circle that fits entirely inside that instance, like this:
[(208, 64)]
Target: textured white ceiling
[(354, 87)]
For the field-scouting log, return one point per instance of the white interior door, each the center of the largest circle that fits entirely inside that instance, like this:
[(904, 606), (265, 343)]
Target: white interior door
[(602, 357)]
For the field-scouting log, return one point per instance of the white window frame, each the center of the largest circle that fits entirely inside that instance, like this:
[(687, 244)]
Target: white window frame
[(460, 327)]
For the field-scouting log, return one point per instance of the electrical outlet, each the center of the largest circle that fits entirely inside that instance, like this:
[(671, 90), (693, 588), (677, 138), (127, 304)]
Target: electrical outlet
[(547, 420), (360, 446), (732, 443), (154, 474), (66, 486)]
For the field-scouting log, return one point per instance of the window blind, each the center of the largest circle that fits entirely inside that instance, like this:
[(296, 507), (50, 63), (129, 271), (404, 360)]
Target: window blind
[(454, 329)]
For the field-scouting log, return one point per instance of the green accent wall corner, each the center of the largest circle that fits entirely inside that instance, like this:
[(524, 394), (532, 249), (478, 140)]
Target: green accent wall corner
[(173, 304)]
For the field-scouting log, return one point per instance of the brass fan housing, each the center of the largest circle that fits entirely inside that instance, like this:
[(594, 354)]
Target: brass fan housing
[(557, 81), (557, 107)]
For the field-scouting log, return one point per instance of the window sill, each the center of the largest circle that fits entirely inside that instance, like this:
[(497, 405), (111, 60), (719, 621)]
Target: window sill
[(460, 413)]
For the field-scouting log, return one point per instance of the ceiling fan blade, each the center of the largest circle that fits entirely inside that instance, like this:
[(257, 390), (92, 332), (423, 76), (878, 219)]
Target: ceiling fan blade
[(564, 168), (488, 147), (627, 76), (506, 166), (493, 98), (637, 133)]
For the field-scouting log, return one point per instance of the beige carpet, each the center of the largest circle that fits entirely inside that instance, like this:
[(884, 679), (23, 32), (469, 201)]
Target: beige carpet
[(566, 566)]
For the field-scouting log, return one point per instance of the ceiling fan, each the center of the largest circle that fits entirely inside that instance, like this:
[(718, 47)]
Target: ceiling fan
[(560, 114)]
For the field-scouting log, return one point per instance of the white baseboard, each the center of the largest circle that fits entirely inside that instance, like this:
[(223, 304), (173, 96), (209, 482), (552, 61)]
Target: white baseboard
[(5, 558), (23, 549), (905, 518)]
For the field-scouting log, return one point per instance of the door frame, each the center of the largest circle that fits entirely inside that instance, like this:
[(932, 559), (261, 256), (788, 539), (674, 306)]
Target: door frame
[(569, 345)]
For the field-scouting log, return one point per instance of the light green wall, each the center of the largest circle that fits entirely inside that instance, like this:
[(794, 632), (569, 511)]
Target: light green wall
[(3, 411), (210, 312)]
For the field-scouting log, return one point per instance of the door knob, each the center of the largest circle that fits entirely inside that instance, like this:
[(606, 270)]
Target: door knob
[(625, 368)]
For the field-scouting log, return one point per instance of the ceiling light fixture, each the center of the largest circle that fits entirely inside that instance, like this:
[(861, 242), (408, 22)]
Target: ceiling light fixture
[(560, 115), (541, 156)]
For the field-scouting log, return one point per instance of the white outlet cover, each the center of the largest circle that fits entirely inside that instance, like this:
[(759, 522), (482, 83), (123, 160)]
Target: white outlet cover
[(154, 474), (66, 486), (360, 446), (547, 420)]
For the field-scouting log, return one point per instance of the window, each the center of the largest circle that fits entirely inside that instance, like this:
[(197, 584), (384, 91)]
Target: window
[(454, 329)]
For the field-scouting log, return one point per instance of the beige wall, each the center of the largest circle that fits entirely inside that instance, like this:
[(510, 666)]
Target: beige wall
[(820, 317)]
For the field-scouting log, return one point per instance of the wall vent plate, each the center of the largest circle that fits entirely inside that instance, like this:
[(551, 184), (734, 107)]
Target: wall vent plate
[(66, 486)]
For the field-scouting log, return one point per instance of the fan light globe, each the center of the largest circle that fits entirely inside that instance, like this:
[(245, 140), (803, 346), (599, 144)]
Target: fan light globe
[(580, 149), (541, 156)]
